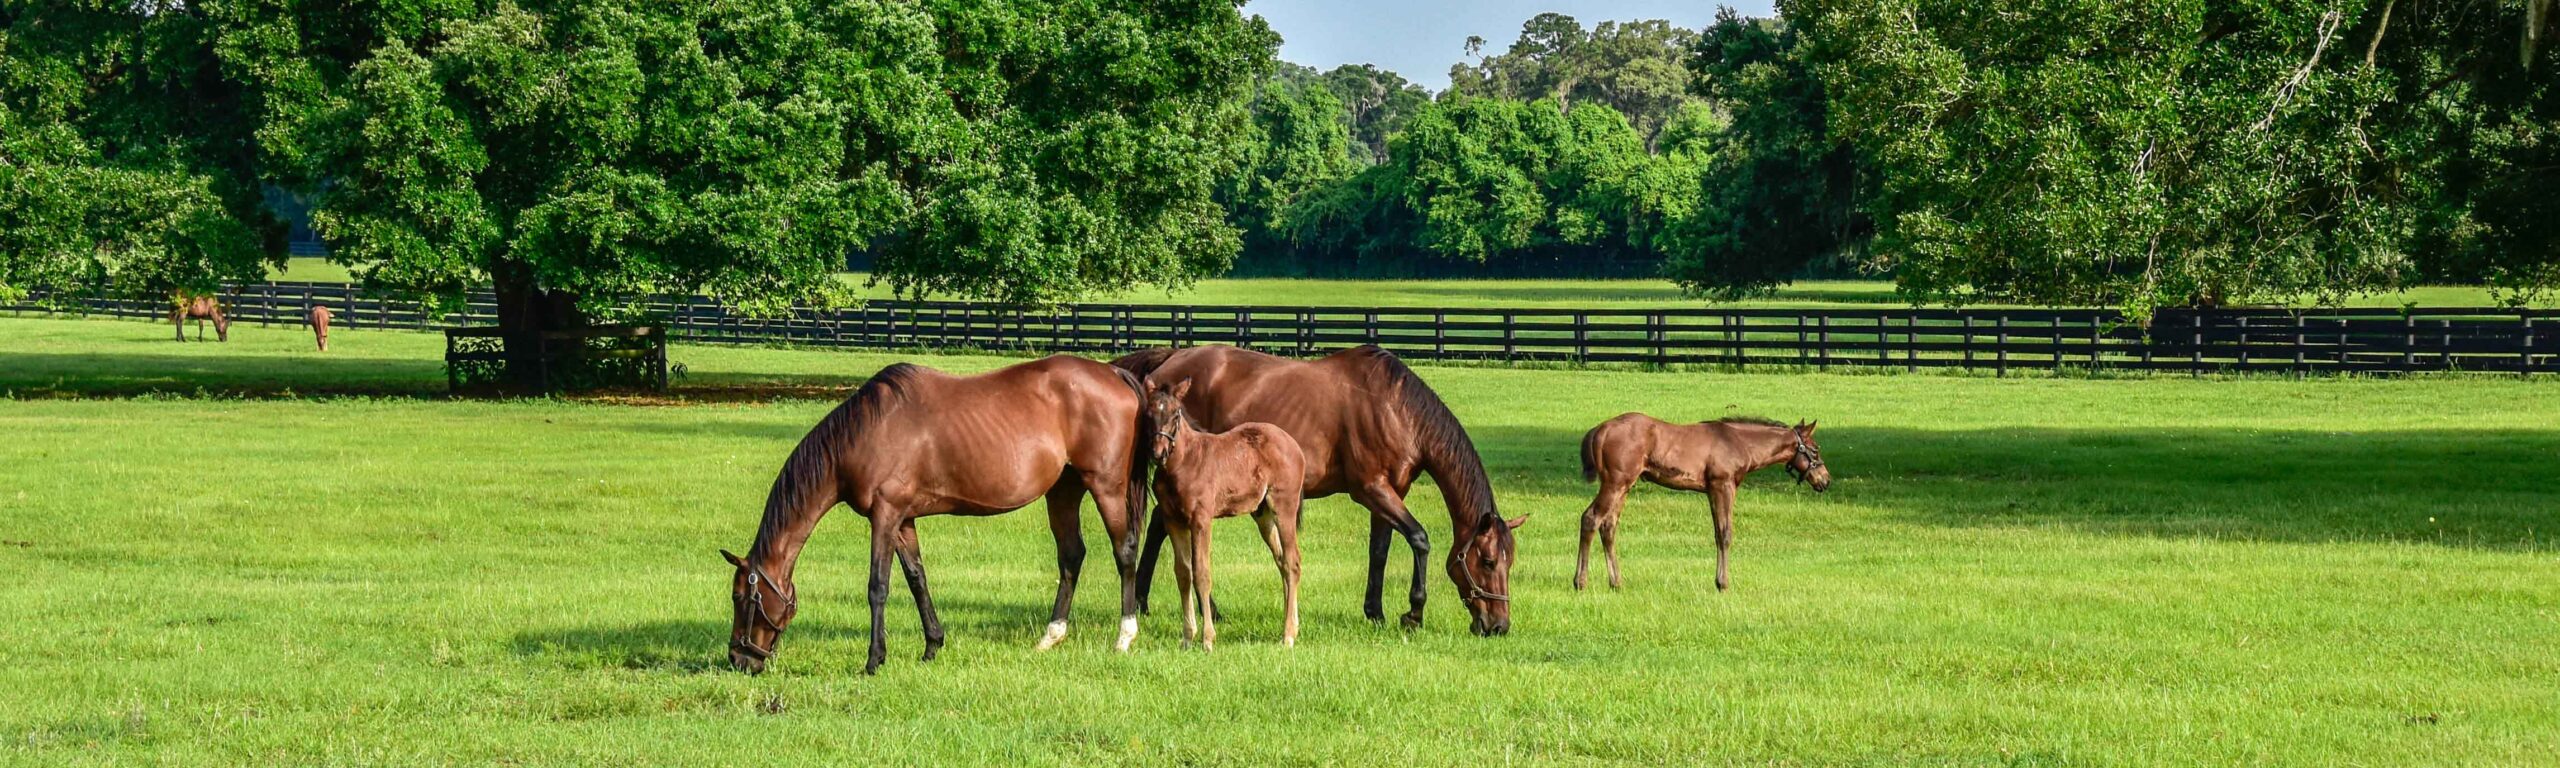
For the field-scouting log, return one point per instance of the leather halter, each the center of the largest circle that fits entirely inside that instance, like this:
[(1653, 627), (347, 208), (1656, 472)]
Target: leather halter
[(754, 598), (1811, 455)]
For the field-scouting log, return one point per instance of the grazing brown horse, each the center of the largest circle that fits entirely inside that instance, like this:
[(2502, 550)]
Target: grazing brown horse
[(199, 308), (914, 442), (320, 325), (1710, 457), (1202, 476), (1368, 427)]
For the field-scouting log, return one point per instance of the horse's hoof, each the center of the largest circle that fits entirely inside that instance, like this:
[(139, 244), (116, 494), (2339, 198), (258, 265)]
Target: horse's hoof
[(1128, 633), (1412, 621), (1057, 632)]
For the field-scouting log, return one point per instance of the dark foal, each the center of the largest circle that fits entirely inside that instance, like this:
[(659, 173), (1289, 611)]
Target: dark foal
[(1710, 457), (1201, 476)]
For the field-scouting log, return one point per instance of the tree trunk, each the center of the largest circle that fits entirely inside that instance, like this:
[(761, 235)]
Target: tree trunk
[(525, 311)]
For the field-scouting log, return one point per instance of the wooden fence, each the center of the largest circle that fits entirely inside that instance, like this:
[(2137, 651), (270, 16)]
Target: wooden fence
[(2278, 340)]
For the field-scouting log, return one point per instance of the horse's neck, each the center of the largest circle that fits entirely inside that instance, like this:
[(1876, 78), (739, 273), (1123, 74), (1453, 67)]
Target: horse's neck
[(777, 545), (1770, 446)]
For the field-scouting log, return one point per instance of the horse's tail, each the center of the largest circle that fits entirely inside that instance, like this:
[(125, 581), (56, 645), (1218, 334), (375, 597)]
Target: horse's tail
[(1140, 475), (1591, 454)]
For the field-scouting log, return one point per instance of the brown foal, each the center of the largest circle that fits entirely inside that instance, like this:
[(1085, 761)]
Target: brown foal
[(1201, 476), (1710, 457)]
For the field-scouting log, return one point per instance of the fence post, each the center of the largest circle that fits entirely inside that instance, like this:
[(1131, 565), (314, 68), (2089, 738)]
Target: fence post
[(2525, 352), (2300, 341), (1967, 340), (1440, 335), (1581, 338), (1822, 340), (2195, 350), (1509, 331), (2000, 338), (2408, 343), (2243, 320)]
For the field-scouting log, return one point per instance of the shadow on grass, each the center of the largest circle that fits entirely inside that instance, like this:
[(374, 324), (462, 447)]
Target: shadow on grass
[(44, 375), (255, 377), (2478, 489), (693, 646)]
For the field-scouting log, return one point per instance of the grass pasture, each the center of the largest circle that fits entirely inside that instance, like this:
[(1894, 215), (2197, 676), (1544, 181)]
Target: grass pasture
[(253, 553)]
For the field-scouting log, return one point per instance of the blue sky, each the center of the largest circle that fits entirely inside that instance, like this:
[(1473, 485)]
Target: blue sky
[(1421, 38)]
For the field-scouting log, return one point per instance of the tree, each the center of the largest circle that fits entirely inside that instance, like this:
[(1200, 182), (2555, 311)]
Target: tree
[(1301, 143), (2471, 126), (2134, 153), (117, 159), (579, 153), (1377, 103), (1633, 67), (1776, 192)]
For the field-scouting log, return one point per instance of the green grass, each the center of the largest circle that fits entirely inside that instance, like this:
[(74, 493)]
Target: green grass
[(2026, 571), (1623, 294)]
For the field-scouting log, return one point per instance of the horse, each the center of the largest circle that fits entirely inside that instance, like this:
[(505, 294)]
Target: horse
[(1710, 457), (914, 442), (199, 308), (1368, 426), (320, 325), (1202, 476)]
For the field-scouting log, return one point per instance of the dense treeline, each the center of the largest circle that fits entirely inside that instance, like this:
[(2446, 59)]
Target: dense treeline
[(2135, 153), (575, 153)]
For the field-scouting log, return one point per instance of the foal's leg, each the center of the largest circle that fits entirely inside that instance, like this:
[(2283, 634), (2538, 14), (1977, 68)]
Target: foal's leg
[(1383, 502), (1582, 557), (1200, 576), (911, 557), (1720, 495), (1279, 521), (1182, 583), (1069, 532)]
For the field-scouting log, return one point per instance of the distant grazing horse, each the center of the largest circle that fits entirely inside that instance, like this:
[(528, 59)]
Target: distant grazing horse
[(199, 308), (1710, 456), (1368, 427), (1202, 476), (914, 442), (320, 325)]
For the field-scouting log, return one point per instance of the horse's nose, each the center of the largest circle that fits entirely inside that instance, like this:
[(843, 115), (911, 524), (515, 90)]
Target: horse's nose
[(1500, 628), (745, 663)]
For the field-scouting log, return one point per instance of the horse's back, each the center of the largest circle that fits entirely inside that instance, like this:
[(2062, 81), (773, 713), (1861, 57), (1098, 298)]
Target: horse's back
[(990, 441)]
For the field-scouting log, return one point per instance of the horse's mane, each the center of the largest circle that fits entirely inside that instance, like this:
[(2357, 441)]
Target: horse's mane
[(1757, 420), (1447, 452), (811, 468)]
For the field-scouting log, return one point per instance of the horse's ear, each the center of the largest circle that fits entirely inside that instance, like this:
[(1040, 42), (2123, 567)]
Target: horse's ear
[(733, 559), (1516, 522), (1182, 388), (1808, 426)]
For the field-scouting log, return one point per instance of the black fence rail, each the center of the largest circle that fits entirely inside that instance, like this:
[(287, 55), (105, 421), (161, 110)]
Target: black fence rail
[(2216, 340)]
